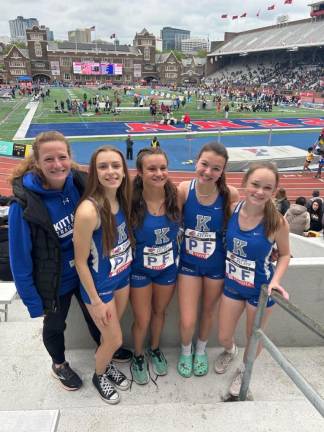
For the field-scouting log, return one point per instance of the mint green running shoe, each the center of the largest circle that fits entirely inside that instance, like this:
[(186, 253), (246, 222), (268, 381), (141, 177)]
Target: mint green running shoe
[(159, 362), (185, 365), (139, 370), (200, 364)]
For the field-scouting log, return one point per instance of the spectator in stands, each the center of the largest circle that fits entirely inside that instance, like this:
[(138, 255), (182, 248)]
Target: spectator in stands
[(281, 201), (298, 217), (47, 186), (316, 214), (226, 110), (315, 196)]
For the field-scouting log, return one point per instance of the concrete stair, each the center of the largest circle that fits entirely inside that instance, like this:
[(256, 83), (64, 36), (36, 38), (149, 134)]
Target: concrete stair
[(176, 404)]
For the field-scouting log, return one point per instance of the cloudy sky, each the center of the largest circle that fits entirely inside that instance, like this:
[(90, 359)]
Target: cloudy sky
[(126, 17)]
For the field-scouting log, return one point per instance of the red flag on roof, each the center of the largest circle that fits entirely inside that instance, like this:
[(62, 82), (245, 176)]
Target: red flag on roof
[(234, 16), (271, 7), (243, 15), (288, 2), (224, 16)]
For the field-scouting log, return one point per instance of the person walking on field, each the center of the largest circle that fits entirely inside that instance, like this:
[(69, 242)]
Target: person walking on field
[(155, 142), (129, 148)]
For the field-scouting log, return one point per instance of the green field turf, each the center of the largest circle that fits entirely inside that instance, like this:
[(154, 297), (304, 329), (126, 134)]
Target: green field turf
[(13, 112)]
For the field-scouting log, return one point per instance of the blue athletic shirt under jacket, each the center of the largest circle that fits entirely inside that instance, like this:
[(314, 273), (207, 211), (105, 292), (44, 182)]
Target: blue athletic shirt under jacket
[(203, 242), (248, 254), (156, 245), (61, 206), (108, 272)]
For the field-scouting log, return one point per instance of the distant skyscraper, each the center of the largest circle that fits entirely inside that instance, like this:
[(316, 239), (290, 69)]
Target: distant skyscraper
[(18, 27), (80, 35), (171, 38), (192, 45), (50, 34)]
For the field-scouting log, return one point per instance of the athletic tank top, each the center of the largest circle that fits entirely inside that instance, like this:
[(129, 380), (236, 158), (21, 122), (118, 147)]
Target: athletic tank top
[(247, 255), (203, 230), (156, 244), (117, 265)]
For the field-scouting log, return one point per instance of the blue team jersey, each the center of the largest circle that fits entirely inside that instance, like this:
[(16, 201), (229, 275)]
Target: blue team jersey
[(248, 254), (156, 245), (203, 243), (108, 272)]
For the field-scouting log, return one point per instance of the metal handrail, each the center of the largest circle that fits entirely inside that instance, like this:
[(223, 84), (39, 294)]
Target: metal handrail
[(259, 336)]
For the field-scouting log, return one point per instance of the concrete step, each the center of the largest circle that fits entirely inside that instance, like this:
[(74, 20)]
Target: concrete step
[(26, 381), (297, 416)]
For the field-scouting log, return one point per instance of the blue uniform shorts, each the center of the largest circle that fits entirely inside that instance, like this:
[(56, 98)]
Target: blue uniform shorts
[(106, 295), (245, 295), (140, 279), (215, 272)]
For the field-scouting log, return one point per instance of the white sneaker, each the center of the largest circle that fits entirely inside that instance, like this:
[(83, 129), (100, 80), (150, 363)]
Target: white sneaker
[(223, 361), (237, 382)]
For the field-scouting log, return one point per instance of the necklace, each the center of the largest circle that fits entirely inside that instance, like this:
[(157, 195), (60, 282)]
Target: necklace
[(156, 209), (205, 195)]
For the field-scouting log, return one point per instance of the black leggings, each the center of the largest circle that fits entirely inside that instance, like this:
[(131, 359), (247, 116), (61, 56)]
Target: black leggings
[(54, 326)]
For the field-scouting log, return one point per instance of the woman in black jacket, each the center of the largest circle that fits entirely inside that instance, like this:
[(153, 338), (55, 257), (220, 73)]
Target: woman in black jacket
[(316, 214)]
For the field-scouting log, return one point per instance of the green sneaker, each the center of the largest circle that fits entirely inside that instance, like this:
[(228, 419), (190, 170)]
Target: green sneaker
[(139, 370), (200, 364), (185, 365), (159, 363)]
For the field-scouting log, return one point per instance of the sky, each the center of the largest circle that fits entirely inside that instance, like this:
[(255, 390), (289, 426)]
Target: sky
[(126, 17)]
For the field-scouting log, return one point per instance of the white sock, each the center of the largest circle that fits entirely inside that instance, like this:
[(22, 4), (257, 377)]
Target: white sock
[(232, 350), (201, 347), (186, 349)]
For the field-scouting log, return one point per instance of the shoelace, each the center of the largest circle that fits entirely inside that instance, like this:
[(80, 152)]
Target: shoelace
[(106, 386), (226, 358), (139, 362), (115, 374), (157, 353)]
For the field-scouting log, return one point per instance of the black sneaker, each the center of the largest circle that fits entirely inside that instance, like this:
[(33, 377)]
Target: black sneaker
[(67, 377), (122, 355), (106, 390), (116, 377)]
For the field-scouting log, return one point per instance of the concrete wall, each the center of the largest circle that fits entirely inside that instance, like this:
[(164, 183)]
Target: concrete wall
[(304, 281)]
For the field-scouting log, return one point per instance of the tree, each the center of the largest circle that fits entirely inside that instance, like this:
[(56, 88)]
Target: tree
[(201, 53), (17, 44)]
